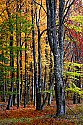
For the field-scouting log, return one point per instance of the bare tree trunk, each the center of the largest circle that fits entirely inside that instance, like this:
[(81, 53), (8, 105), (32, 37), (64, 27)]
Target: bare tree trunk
[(21, 78), (39, 87), (50, 79), (58, 60), (17, 40), (4, 81), (28, 90), (34, 56), (76, 98), (44, 96), (25, 88), (11, 59)]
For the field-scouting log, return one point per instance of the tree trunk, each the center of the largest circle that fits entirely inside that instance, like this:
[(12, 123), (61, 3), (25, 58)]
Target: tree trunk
[(11, 59), (44, 95), (34, 56), (58, 57), (21, 78), (28, 90), (25, 88), (39, 87), (17, 40), (76, 98), (50, 79)]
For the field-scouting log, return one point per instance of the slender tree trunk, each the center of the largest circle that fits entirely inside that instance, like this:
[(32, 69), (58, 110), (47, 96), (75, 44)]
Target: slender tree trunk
[(12, 73), (44, 96), (76, 98), (50, 79), (45, 75), (5, 89), (11, 59), (28, 90), (3, 78), (17, 40), (39, 87), (30, 84), (61, 32), (21, 79), (34, 55), (25, 88)]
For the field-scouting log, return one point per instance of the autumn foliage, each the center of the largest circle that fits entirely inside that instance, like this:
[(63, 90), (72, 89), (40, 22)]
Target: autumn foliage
[(29, 116), (27, 63)]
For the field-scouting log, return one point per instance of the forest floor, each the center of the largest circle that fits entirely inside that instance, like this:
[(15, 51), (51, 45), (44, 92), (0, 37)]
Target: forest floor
[(29, 116)]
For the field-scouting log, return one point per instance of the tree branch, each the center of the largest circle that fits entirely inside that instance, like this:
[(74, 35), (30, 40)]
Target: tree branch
[(42, 32), (66, 5), (68, 9), (41, 6)]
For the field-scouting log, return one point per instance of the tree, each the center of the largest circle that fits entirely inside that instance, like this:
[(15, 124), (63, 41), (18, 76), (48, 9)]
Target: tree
[(10, 102), (18, 68), (34, 55), (57, 49), (56, 42), (39, 84)]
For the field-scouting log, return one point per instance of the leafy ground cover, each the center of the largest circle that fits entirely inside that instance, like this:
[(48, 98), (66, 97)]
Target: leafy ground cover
[(29, 116)]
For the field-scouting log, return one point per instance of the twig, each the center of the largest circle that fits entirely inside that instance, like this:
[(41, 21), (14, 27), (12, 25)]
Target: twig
[(71, 109), (68, 9), (41, 6)]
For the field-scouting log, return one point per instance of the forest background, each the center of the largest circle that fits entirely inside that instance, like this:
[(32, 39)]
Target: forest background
[(27, 63)]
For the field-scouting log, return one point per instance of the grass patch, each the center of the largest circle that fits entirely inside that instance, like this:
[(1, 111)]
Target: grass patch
[(75, 114), (8, 121)]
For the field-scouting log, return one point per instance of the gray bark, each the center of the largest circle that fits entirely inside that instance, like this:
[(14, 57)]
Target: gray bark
[(38, 96), (61, 31), (21, 78), (25, 87), (17, 40), (34, 56), (58, 55), (11, 58), (76, 98)]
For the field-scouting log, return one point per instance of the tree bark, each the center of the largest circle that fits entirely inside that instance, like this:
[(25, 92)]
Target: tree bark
[(34, 56), (11, 58), (17, 40), (58, 60), (25, 88), (39, 86), (21, 78)]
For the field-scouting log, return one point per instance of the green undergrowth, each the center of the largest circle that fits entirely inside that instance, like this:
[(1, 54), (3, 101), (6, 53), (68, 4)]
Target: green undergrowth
[(12, 121)]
